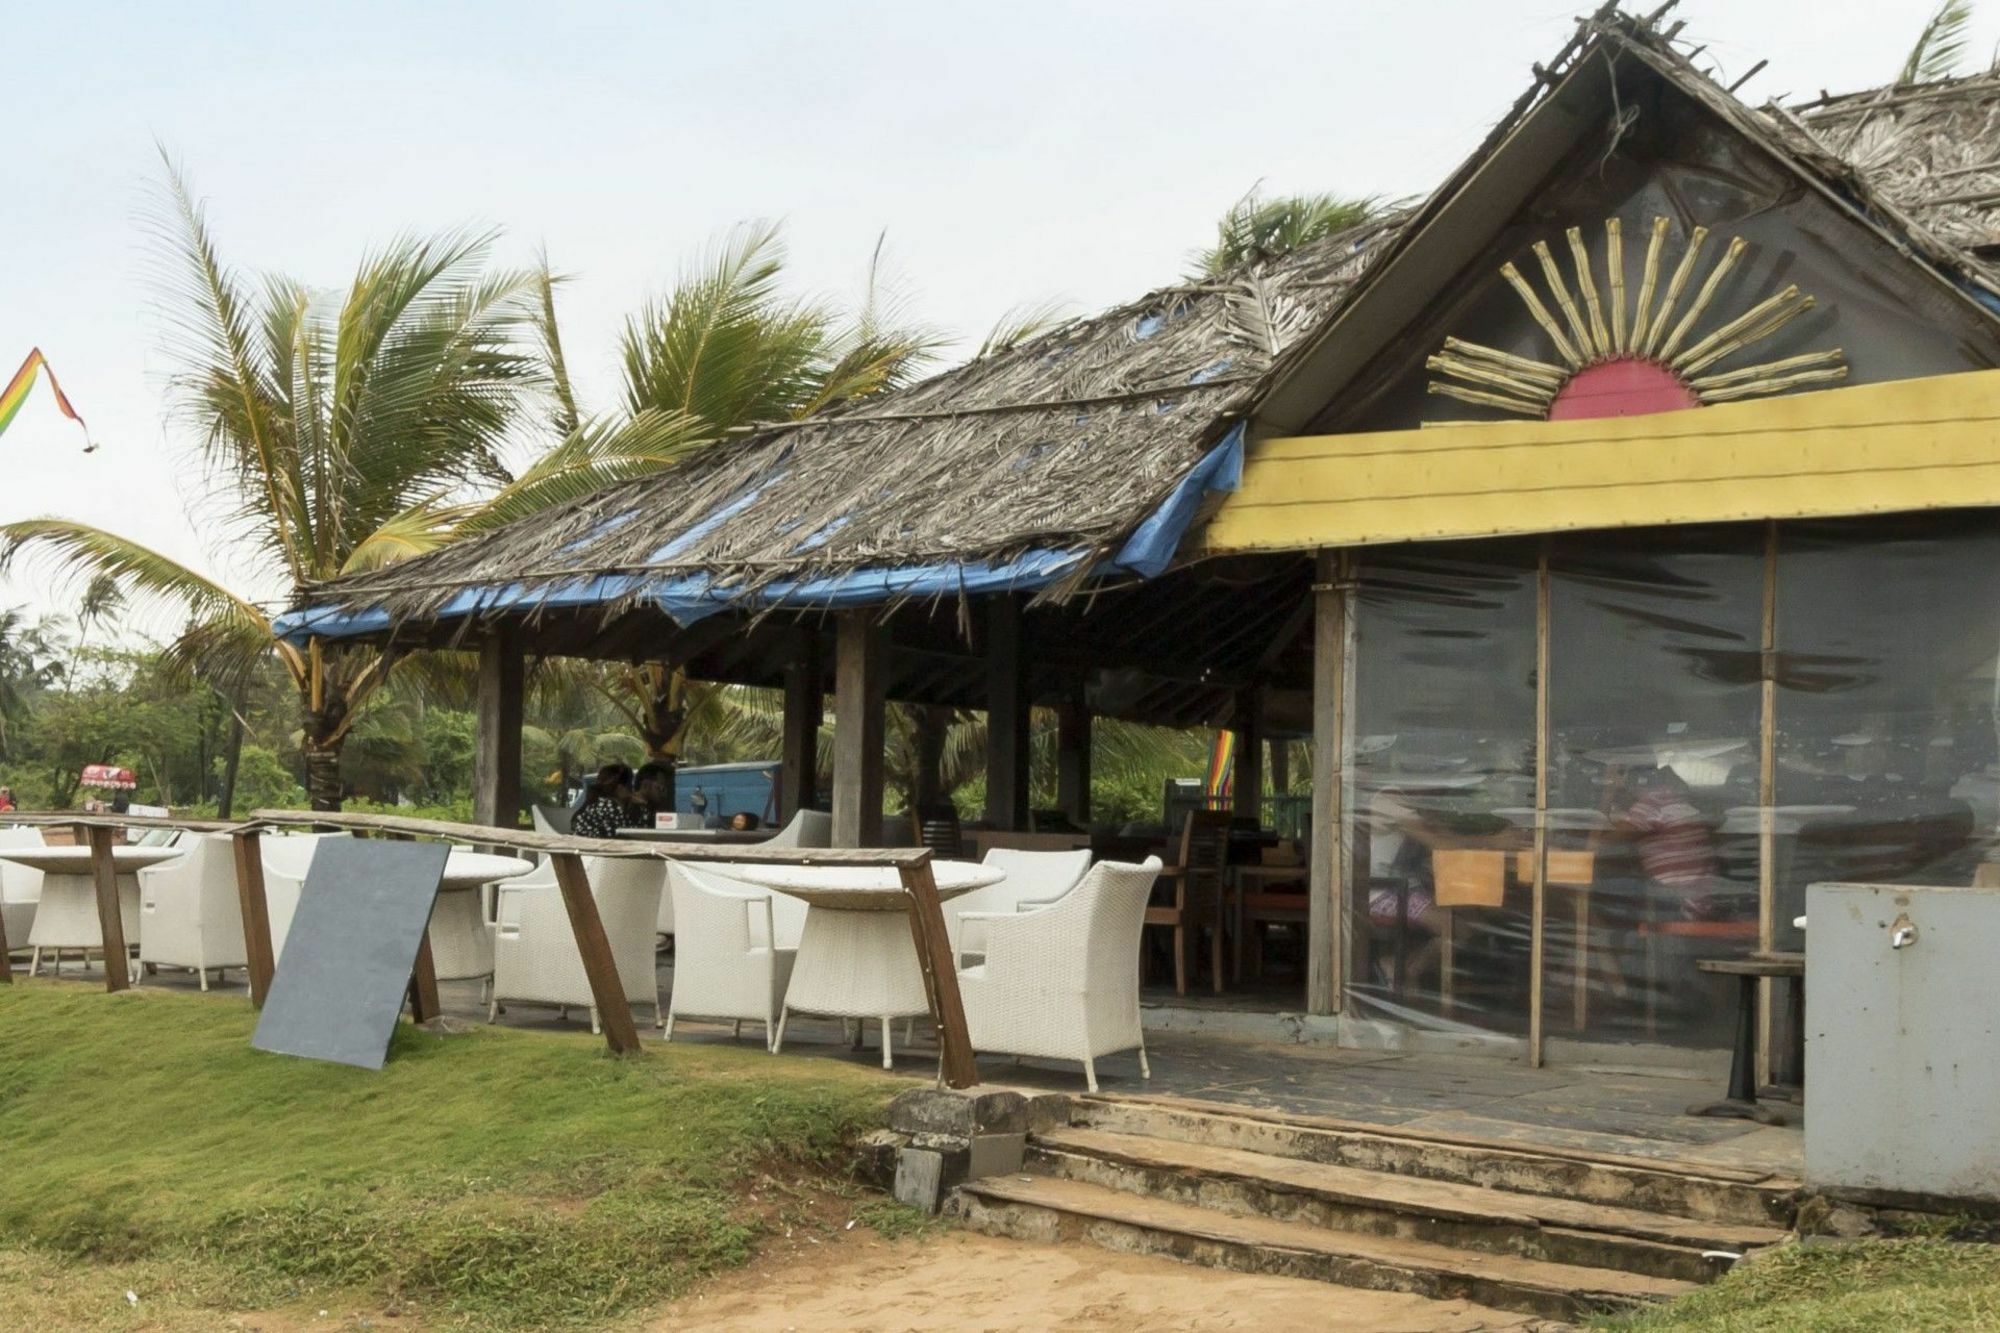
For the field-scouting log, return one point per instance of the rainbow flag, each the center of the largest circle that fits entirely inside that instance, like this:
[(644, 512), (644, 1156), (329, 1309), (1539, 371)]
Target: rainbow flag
[(17, 389), (1221, 767)]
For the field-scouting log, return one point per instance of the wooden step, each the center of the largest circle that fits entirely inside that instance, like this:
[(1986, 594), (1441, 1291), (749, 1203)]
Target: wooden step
[(1710, 1193), (1446, 1212), (1051, 1210)]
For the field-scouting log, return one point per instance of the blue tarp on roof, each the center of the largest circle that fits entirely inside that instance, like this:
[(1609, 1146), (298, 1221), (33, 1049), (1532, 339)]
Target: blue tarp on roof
[(1147, 553)]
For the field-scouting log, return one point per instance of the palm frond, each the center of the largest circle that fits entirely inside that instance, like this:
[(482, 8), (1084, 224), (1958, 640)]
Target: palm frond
[(1940, 45), (592, 457), (1256, 229), (727, 345), (1022, 323), (566, 419), (225, 383)]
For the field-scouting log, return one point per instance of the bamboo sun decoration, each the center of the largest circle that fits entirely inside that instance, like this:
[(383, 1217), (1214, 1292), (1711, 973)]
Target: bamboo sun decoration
[(1655, 362)]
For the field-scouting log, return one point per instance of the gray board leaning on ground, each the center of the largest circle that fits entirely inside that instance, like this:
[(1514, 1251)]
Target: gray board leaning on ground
[(352, 947)]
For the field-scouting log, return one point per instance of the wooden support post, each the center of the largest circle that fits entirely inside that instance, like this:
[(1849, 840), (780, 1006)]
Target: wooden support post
[(805, 703), (934, 958), (614, 1011), (1247, 782), (496, 758), (424, 1003), (110, 921), (1767, 800), (1073, 760), (858, 685), (258, 952), (1327, 928), (1538, 927), (1006, 715)]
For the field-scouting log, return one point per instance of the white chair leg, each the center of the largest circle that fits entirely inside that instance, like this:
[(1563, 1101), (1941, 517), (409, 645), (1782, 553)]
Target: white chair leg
[(736, 1030), (35, 960), (909, 1031), (1145, 1070), (493, 1009), (1090, 1073), (888, 1059), (770, 1043), (201, 972), (667, 1026), (778, 1037), (595, 1029)]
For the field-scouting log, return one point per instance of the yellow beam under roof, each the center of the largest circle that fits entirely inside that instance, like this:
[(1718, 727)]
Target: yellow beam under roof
[(1877, 448)]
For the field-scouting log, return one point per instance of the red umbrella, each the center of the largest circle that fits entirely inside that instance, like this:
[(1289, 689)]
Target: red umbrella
[(108, 775)]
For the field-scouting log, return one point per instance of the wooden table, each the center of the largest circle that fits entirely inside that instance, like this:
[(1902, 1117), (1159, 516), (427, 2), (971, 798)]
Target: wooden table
[(67, 916), (717, 836), (1742, 1103), (461, 945), (857, 955)]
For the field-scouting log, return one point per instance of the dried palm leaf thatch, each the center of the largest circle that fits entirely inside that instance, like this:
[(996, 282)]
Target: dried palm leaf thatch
[(1061, 441)]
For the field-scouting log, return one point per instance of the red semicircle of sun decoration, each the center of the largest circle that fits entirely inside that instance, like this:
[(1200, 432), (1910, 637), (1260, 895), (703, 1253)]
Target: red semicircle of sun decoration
[(1627, 387)]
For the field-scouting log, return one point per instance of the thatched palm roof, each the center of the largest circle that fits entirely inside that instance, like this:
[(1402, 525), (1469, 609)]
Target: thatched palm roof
[(1069, 441)]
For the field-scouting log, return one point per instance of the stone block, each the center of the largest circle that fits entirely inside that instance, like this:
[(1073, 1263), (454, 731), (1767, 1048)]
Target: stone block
[(995, 1154), (961, 1114)]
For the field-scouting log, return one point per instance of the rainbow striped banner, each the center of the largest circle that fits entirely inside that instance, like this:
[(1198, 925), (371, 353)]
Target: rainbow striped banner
[(1221, 767), (17, 389)]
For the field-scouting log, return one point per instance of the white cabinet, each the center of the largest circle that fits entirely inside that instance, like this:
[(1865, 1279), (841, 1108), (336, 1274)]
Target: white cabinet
[(1903, 1039)]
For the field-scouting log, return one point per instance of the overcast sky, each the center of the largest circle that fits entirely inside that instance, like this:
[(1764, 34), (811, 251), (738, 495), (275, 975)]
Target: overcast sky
[(1014, 153)]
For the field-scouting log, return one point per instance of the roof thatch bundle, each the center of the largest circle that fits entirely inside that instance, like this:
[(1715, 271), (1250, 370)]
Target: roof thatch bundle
[(1069, 440)]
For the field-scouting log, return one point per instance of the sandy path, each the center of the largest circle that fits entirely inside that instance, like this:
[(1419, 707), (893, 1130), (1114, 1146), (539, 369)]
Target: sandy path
[(960, 1280)]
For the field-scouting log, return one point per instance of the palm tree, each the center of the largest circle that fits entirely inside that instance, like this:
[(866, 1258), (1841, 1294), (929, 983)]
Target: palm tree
[(345, 431), (1256, 229), (726, 349)]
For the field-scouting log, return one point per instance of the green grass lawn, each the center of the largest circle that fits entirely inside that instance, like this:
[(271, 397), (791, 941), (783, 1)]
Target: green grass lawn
[(1856, 1287), (495, 1177)]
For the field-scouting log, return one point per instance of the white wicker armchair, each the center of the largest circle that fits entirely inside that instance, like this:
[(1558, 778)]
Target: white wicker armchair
[(1034, 879), (1062, 982), (189, 914), (808, 828), (20, 889), (724, 965), (535, 958), (286, 858)]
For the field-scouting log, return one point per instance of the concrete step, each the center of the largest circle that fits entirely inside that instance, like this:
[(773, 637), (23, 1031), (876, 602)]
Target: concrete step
[(1045, 1209), (1707, 1193), (1345, 1198)]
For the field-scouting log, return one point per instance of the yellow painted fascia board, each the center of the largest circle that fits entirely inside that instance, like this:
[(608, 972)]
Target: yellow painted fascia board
[(1906, 445)]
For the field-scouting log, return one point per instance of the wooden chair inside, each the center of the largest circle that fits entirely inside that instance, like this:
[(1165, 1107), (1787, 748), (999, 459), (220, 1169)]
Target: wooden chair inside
[(1271, 893), (937, 827), (1188, 894)]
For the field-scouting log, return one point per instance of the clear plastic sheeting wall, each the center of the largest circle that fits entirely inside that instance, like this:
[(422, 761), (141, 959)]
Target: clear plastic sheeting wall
[(1655, 705), (1888, 632), (1443, 785)]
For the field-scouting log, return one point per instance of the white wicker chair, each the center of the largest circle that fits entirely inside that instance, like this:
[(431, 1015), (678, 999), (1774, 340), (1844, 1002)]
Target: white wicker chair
[(787, 918), (535, 958), (286, 858), (724, 966), (808, 828), (1062, 982), (189, 913), (1034, 879), (20, 889)]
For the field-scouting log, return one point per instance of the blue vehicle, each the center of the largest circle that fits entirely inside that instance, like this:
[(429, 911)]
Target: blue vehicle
[(707, 796)]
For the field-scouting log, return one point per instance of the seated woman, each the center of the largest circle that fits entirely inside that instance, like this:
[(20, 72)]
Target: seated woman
[(1675, 844), (609, 804)]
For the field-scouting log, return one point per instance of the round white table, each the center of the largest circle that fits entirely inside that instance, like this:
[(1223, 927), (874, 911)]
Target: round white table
[(461, 944), (857, 958), (66, 918)]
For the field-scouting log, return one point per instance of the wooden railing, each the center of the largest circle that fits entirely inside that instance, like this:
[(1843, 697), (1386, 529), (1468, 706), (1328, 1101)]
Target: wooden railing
[(912, 864)]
